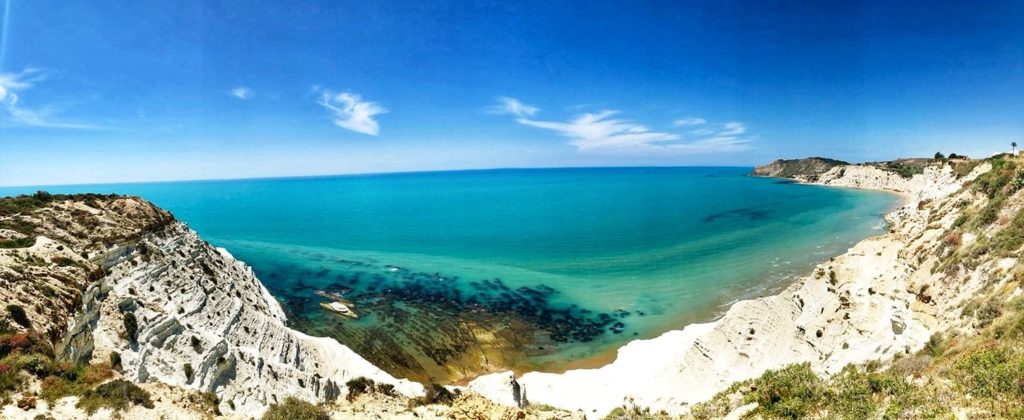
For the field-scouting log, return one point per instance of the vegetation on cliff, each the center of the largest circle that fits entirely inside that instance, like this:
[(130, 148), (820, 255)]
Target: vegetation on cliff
[(976, 375), (807, 169), (973, 370)]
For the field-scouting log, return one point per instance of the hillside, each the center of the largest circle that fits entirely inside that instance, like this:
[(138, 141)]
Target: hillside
[(804, 169), (964, 270)]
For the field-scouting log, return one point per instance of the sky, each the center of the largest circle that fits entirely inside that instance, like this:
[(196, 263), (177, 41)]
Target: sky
[(104, 91)]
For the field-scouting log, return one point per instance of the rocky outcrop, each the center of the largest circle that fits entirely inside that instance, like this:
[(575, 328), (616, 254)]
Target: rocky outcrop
[(935, 182), (108, 274), (206, 322), (807, 169), (863, 305)]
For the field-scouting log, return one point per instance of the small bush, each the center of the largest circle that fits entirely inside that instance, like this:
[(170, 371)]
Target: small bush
[(189, 372), (791, 392), (359, 386), (389, 390), (935, 346), (115, 360), (54, 388), (293, 408), (436, 394), (206, 401), (75, 382), (115, 395), (131, 326), (993, 372), (988, 313), (10, 379), (19, 316)]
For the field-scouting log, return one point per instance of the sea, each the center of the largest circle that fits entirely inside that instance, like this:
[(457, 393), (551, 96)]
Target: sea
[(575, 262)]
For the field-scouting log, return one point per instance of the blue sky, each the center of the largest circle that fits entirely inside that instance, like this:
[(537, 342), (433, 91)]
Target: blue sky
[(105, 91)]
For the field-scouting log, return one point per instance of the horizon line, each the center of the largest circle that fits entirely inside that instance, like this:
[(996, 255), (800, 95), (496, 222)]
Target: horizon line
[(356, 174)]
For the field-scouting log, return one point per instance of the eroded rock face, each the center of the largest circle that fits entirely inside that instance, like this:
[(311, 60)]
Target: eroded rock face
[(935, 182), (80, 265), (54, 249), (206, 322)]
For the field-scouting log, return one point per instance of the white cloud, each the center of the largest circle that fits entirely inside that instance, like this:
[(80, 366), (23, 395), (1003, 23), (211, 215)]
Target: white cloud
[(513, 106), (12, 110), (350, 111), (682, 122), (604, 131), (733, 128), (601, 131), (241, 92)]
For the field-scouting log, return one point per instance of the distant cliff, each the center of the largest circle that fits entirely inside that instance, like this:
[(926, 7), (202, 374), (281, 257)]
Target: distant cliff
[(807, 169)]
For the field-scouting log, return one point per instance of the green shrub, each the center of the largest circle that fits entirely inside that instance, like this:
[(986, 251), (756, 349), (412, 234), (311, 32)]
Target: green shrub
[(115, 360), (10, 379), (131, 326), (435, 394), (116, 395), (993, 372), (25, 242), (18, 315), (359, 386), (935, 346), (207, 402), (53, 388), (636, 413), (988, 313), (293, 408), (389, 390), (791, 392)]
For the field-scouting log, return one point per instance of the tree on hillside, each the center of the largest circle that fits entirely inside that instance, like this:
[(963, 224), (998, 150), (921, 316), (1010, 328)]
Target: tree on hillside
[(1014, 145), (939, 156)]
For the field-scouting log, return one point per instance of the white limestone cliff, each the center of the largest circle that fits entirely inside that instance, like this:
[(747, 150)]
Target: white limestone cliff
[(205, 322), (877, 300)]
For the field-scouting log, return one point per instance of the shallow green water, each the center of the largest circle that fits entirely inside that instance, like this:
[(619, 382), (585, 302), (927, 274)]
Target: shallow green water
[(595, 257)]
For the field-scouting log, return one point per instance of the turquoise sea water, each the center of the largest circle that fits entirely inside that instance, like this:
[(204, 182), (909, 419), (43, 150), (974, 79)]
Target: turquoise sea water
[(597, 257)]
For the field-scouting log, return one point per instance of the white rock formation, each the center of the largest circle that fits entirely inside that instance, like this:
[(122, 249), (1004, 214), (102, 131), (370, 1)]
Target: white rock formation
[(935, 182), (205, 322), (863, 305)]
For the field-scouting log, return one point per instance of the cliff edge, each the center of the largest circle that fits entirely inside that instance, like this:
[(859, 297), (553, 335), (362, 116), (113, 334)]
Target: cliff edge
[(807, 169)]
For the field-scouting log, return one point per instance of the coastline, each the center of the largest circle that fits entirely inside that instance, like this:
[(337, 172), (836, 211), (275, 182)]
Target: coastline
[(830, 320)]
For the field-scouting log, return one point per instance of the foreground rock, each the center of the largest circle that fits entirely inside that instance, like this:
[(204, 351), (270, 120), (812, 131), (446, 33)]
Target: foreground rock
[(117, 278)]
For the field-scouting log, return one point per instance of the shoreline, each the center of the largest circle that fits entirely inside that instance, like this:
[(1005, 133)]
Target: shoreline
[(778, 286), (801, 323)]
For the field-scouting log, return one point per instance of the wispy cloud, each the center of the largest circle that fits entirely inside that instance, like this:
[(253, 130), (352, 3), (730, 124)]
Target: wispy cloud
[(513, 106), (241, 92), (602, 131), (14, 113), (606, 131), (682, 122), (350, 111)]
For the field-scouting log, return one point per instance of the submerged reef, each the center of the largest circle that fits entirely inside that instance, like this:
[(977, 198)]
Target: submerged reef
[(436, 327)]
